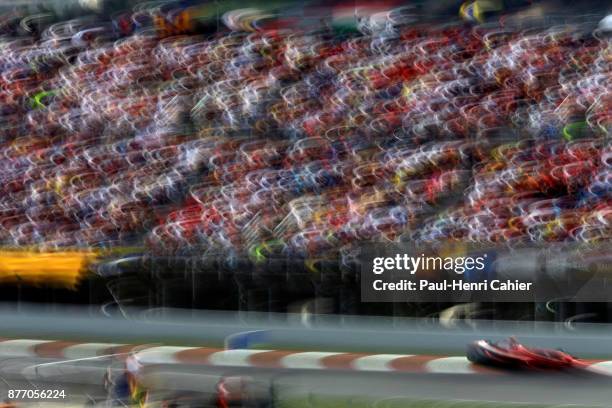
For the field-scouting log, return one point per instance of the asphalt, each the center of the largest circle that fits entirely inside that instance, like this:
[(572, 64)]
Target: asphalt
[(82, 382), (329, 333)]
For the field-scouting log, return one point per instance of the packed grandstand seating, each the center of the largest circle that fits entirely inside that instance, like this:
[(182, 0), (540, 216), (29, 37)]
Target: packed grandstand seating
[(266, 140)]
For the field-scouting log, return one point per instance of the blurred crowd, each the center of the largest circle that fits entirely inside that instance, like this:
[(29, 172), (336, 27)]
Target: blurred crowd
[(267, 139)]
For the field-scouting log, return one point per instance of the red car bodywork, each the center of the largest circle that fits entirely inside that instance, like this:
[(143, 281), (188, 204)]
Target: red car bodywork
[(512, 354)]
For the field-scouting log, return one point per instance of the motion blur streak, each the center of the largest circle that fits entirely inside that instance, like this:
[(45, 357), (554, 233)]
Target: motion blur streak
[(61, 268)]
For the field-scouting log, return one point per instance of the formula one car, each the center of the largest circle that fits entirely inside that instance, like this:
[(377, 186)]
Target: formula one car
[(511, 354)]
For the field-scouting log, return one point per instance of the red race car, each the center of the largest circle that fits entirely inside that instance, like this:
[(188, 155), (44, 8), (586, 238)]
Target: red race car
[(511, 354)]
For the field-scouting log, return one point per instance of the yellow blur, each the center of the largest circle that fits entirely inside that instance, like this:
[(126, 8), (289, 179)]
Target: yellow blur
[(57, 268)]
